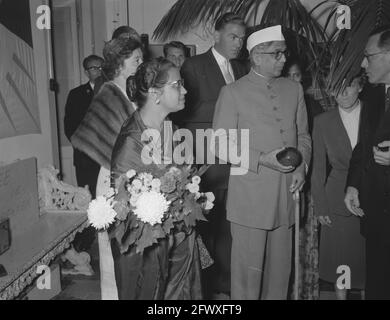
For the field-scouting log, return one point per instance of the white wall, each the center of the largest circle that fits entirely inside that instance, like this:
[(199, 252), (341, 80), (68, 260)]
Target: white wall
[(41, 145), (144, 16)]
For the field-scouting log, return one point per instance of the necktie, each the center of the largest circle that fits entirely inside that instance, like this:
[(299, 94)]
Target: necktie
[(228, 76), (387, 101)]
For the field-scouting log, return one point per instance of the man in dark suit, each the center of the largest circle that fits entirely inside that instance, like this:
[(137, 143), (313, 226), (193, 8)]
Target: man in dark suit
[(368, 183), (204, 75), (87, 170)]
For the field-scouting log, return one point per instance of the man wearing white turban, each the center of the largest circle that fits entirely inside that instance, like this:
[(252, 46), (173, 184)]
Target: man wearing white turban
[(260, 205)]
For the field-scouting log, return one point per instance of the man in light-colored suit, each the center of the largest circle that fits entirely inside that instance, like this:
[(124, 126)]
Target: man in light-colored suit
[(260, 207)]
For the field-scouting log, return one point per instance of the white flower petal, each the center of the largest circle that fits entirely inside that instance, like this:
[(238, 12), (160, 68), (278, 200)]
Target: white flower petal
[(151, 207), (100, 213), (131, 173)]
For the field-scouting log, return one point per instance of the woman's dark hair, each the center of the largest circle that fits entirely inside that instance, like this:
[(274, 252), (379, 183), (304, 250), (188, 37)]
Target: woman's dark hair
[(151, 74), (125, 32), (362, 78), (293, 61), (115, 52)]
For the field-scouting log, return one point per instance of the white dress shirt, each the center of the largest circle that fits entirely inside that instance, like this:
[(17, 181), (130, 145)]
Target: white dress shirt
[(351, 122), (225, 66)]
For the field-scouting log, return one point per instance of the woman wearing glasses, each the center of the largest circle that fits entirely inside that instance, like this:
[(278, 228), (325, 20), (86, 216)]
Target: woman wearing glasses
[(172, 272), (97, 133)]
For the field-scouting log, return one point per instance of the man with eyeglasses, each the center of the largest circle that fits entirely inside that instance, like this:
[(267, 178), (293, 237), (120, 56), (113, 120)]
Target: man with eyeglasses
[(204, 75), (76, 106), (260, 202), (368, 184)]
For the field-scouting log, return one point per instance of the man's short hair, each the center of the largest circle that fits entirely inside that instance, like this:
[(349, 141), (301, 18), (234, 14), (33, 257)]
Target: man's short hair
[(384, 38), (175, 44), (91, 58), (229, 17)]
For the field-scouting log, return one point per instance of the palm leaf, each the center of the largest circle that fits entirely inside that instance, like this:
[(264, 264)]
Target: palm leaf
[(347, 50), (186, 14), (303, 34)]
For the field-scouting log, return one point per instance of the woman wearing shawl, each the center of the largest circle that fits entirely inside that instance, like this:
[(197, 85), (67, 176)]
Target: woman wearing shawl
[(100, 127), (165, 270)]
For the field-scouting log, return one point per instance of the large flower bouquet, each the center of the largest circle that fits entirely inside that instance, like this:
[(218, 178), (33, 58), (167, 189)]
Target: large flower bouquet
[(145, 207)]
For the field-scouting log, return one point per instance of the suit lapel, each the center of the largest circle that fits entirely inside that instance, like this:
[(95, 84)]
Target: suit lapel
[(341, 131), (88, 89), (238, 69), (213, 70)]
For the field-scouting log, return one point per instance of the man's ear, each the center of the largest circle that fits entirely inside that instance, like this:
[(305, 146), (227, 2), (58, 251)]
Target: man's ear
[(256, 57), (86, 73)]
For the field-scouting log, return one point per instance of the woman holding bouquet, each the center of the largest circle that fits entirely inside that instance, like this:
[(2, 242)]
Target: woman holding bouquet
[(169, 269)]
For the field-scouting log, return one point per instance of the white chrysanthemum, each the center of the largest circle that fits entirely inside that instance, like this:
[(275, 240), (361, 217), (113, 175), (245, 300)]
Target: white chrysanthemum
[(210, 196), (146, 177), (195, 179), (156, 184), (131, 173), (100, 213), (209, 205), (193, 188), (134, 200), (137, 184), (198, 195), (151, 207)]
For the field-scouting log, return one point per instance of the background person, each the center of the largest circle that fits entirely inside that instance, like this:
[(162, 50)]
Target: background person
[(98, 131), (368, 184), (176, 52), (204, 75), (335, 136)]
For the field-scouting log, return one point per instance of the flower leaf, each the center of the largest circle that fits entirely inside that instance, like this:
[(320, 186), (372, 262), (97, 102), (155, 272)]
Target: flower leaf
[(147, 238), (168, 225)]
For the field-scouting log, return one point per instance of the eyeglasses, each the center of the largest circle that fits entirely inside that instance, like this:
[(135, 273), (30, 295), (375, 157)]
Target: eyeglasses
[(367, 55), (176, 84), (278, 54), (95, 68)]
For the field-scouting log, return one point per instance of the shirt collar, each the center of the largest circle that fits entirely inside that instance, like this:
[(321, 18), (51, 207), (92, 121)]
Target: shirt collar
[(221, 60), (351, 114)]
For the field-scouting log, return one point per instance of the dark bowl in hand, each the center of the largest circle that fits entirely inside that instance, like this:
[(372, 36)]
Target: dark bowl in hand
[(289, 157)]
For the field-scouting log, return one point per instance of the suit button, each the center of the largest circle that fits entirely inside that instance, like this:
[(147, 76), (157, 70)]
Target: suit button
[(273, 96), (278, 120), (275, 108), (281, 130)]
